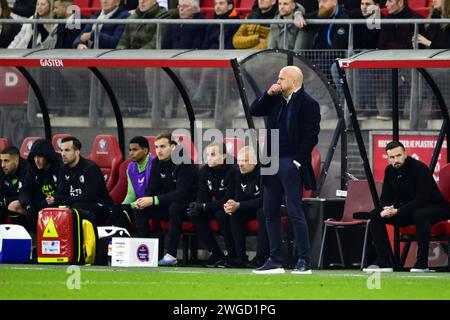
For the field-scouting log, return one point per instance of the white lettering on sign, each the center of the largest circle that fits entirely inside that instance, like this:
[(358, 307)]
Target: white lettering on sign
[(51, 63), (11, 79)]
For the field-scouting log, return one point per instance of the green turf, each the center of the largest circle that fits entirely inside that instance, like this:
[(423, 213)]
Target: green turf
[(50, 282)]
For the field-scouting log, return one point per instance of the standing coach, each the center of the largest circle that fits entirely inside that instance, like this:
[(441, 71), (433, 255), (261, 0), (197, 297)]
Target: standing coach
[(296, 116)]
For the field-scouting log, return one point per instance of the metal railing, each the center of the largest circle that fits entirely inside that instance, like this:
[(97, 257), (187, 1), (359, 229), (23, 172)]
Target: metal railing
[(222, 23)]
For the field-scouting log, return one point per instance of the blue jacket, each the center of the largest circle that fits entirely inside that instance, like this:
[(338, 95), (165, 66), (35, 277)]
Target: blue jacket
[(303, 127), (110, 33)]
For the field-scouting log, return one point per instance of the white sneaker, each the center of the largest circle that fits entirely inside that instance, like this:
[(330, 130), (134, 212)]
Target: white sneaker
[(168, 260), (375, 268), (419, 270)]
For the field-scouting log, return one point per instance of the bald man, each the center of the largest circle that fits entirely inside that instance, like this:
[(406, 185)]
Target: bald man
[(296, 117)]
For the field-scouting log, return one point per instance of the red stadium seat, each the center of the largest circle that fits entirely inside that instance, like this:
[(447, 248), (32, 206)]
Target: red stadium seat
[(119, 191), (26, 146), (423, 11), (245, 7), (4, 143), (417, 3), (107, 155), (56, 141), (358, 200)]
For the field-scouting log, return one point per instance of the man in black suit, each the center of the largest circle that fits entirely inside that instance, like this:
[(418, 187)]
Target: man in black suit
[(296, 117)]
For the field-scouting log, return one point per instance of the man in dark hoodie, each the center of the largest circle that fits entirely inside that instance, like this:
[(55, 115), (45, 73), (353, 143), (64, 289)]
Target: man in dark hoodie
[(167, 196), (216, 186), (41, 181), (11, 180), (81, 183)]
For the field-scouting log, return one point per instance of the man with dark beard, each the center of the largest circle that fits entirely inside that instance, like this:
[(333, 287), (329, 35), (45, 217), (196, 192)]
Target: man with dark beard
[(328, 36)]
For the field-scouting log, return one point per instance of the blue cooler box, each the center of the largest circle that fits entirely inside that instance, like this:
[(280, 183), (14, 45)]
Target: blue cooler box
[(15, 244)]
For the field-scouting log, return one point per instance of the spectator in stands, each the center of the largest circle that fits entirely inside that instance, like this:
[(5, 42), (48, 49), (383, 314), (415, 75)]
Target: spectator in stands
[(437, 36), (186, 36), (138, 179), (398, 36), (7, 31), (81, 183), (366, 37), (246, 205), (409, 196), (296, 116), (333, 36), (109, 34), (395, 36), (24, 39), (296, 39), (256, 36), (223, 9), (168, 195), (205, 93), (137, 36), (23, 9), (63, 36), (216, 186), (41, 181), (12, 176)]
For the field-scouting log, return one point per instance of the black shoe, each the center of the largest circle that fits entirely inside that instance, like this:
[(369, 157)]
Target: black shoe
[(302, 267), (257, 262), (227, 262), (270, 267), (214, 260)]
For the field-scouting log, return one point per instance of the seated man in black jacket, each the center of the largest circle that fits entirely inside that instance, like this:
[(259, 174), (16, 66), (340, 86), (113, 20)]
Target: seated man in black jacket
[(410, 196), (167, 197), (11, 180), (247, 205), (215, 187), (41, 181), (81, 183)]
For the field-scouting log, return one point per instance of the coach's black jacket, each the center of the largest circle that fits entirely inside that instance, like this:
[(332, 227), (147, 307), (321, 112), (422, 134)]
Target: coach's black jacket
[(248, 191), (216, 186), (83, 183), (410, 187), (39, 184), (303, 127), (172, 183)]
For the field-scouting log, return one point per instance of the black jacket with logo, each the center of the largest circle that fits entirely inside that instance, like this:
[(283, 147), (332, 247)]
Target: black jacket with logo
[(248, 190), (172, 183), (83, 183), (216, 186), (39, 184)]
